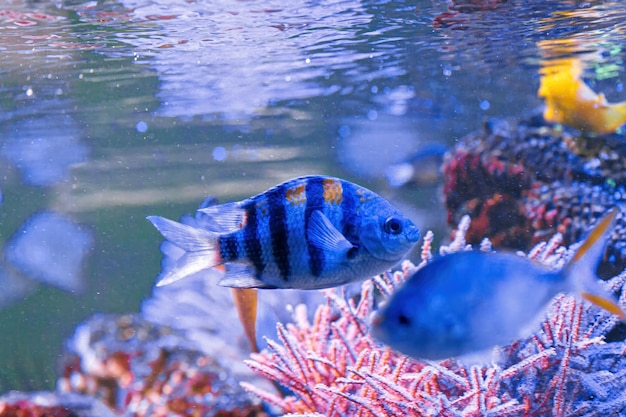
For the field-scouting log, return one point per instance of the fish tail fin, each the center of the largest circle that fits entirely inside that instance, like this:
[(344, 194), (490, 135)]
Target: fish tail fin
[(201, 249), (621, 107), (580, 270)]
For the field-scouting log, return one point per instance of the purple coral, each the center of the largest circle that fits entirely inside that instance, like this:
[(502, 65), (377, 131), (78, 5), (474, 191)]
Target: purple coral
[(333, 367)]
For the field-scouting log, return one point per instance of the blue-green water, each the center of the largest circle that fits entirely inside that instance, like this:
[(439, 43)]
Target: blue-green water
[(115, 110)]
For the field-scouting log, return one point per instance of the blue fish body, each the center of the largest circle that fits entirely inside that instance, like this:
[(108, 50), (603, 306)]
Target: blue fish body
[(307, 233), (466, 302)]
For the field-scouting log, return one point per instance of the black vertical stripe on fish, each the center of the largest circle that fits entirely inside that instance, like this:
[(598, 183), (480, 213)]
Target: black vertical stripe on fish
[(348, 212), (314, 201), (254, 251), (279, 232), (228, 248)]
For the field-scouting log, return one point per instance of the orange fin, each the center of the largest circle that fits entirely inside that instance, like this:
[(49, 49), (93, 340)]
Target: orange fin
[(245, 300), (581, 268), (601, 231), (609, 305)]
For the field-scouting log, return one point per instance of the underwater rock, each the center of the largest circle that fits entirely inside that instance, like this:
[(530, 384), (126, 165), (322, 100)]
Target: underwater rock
[(523, 181), (48, 404), (143, 369)]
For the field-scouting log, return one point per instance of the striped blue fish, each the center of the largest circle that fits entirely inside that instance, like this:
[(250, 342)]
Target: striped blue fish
[(307, 233)]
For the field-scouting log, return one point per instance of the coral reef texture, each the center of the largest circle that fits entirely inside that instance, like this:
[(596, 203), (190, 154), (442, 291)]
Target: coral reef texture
[(523, 181), (47, 404), (142, 369), (333, 367)]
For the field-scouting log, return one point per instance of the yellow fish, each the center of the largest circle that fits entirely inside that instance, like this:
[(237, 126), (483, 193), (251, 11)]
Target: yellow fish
[(572, 102)]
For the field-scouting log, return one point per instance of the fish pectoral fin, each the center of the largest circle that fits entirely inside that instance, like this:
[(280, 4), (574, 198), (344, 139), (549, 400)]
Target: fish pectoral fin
[(605, 302), (227, 217), (324, 235), (242, 276)]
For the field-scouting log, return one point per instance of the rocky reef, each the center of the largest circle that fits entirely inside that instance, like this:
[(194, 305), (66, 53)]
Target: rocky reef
[(140, 368), (523, 181)]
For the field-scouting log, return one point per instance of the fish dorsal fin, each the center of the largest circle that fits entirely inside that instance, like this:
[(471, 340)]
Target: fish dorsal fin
[(229, 217), (580, 270), (209, 201), (593, 245), (324, 235)]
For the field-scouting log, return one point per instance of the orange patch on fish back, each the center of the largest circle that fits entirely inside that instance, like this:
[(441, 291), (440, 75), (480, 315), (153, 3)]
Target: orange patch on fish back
[(296, 195), (262, 207), (333, 191)]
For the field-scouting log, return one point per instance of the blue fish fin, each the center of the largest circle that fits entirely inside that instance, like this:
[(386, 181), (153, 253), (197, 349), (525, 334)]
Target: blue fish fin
[(229, 217), (188, 264), (580, 270), (325, 236), (241, 276), (209, 201), (201, 249), (188, 238)]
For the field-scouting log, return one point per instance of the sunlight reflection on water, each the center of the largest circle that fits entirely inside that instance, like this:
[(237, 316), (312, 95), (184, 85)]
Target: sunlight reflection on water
[(249, 55)]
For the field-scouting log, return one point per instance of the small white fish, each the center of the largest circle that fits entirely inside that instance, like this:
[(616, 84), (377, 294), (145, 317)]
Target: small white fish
[(466, 302)]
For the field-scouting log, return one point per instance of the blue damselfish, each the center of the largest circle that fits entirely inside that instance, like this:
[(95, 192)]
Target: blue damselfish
[(307, 233), (466, 302)]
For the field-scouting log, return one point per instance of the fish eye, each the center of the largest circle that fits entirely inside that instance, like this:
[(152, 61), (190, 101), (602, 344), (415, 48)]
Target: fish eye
[(393, 225), (403, 319)]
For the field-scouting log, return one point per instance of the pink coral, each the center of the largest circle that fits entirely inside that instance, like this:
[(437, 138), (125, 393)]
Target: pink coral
[(333, 367)]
